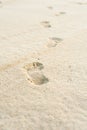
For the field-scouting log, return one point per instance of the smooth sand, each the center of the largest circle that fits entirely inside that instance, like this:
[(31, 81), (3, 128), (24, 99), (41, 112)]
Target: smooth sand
[(43, 83)]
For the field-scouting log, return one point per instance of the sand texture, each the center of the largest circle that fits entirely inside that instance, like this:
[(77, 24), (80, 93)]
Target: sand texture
[(43, 64)]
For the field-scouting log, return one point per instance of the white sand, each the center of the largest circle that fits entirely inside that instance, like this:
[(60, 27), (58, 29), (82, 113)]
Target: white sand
[(61, 103)]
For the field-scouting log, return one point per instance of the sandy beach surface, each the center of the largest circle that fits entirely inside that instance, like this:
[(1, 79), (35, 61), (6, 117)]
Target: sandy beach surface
[(43, 64)]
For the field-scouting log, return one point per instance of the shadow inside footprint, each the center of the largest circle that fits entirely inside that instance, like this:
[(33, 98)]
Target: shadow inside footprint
[(34, 73), (53, 41), (50, 7), (33, 66), (37, 78), (0, 3), (80, 3), (60, 13), (46, 24)]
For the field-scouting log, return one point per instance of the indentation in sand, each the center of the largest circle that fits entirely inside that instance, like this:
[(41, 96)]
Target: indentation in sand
[(46, 24), (60, 13), (53, 41), (10, 65), (36, 77), (33, 66), (0, 3), (81, 3), (50, 7), (34, 73)]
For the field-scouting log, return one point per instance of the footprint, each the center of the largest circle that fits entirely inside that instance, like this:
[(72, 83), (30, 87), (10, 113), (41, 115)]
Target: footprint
[(80, 3), (0, 3), (33, 66), (60, 13), (53, 41), (46, 24), (50, 7), (37, 78), (34, 73)]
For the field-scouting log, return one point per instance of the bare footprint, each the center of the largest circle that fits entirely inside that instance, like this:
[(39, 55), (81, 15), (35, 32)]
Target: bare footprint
[(80, 3), (46, 24), (60, 13), (34, 74), (50, 7), (53, 41), (0, 3), (37, 78), (33, 66)]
